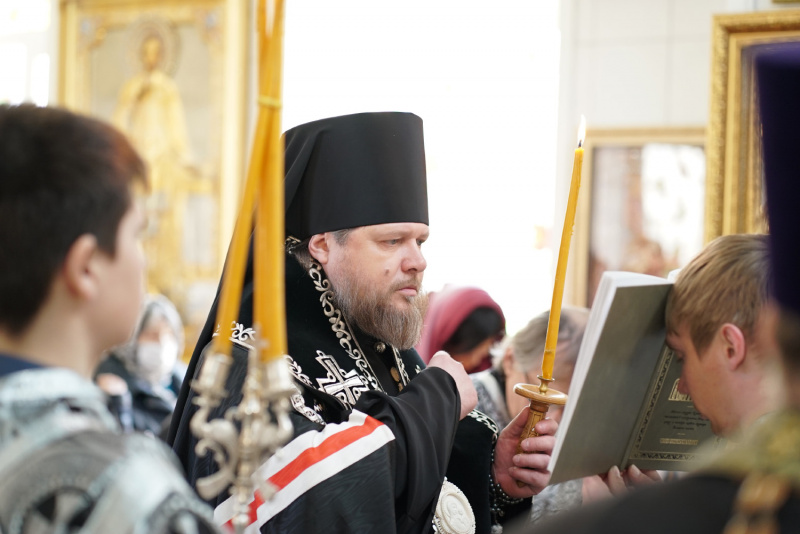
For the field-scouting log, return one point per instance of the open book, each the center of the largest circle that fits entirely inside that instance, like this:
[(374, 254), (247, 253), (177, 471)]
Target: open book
[(624, 406)]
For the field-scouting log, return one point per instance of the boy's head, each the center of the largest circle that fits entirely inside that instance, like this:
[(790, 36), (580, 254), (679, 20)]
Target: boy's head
[(712, 316), (63, 178)]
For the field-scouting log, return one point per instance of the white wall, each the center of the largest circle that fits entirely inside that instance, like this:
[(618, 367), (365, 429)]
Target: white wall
[(635, 63), (28, 51)]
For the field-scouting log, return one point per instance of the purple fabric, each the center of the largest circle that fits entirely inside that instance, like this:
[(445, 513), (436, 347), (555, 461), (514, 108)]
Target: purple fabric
[(778, 77)]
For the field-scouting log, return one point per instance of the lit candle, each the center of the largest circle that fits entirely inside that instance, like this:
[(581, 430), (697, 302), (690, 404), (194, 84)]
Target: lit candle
[(563, 254), (264, 183)]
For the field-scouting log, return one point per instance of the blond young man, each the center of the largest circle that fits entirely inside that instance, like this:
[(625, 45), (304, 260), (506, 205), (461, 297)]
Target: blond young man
[(713, 315)]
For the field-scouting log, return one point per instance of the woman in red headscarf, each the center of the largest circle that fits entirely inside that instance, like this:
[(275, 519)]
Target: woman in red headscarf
[(465, 322)]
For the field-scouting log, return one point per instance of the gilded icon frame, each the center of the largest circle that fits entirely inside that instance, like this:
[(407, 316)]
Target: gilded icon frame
[(202, 64), (734, 198), (597, 196)]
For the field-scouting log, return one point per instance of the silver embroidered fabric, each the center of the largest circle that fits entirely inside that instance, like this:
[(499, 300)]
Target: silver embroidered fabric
[(556, 499), (65, 467)]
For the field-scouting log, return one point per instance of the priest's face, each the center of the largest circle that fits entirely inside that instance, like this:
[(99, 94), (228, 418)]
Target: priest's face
[(377, 278)]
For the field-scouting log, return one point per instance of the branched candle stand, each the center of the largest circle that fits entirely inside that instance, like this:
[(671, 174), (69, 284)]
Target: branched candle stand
[(251, 432)]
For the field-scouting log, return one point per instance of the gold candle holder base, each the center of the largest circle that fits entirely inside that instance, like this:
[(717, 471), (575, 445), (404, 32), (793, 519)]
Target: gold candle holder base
[(541, 398)]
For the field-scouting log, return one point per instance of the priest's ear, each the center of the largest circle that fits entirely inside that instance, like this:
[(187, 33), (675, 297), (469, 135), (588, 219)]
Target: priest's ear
[(319, 247)]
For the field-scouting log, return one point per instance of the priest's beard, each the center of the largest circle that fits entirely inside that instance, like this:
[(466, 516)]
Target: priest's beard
[(372, 310)]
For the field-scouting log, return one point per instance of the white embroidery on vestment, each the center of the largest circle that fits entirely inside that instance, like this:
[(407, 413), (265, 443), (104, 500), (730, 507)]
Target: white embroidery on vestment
[(244, 337), (339, 326), (297, 371), (299, 404), (401, 367), (345, 386), (485, 419)]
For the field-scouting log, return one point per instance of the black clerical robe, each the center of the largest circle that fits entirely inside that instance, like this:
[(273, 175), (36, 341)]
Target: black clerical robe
[(375, 433)]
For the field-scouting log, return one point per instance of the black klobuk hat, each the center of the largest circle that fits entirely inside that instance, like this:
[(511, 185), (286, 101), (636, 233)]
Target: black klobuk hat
[(355, 170)]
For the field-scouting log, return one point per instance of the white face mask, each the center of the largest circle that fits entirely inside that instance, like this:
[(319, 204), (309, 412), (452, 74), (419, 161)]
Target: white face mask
[(154, 360)]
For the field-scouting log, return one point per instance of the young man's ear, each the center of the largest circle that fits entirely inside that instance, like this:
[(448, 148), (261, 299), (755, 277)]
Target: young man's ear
[(80, 267), (319, 249), (735, 345)]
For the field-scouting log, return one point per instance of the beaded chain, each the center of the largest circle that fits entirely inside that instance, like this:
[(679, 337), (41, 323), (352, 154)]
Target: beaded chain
[(499, 500)]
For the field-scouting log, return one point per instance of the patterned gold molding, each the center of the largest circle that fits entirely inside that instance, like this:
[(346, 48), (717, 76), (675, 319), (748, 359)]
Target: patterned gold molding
[(733, 182)]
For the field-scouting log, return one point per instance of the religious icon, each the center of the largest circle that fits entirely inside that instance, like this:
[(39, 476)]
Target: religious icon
[(162, 74), (150, 111)]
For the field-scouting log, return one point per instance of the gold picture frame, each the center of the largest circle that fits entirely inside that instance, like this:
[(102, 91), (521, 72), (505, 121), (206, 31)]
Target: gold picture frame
[(734, 198), (172, 75), (640, 206)]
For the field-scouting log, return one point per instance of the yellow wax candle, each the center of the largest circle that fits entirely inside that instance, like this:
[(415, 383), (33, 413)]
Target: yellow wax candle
[(265, 181), (563, 254), (269, 307)]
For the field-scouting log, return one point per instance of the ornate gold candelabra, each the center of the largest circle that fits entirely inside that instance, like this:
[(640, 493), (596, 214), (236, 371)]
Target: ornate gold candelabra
[(249, 433)]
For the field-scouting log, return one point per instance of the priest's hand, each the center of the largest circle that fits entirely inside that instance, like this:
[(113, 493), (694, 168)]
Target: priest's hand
[(530, 468), (466, 390)]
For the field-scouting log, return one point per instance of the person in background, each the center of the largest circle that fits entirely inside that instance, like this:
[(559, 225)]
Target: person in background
[(71, 281), (466, 323), (713, 312), (143, 376), (521, 362)]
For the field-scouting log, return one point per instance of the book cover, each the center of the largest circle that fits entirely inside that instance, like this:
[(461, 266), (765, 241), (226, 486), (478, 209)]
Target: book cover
[(623, 405)]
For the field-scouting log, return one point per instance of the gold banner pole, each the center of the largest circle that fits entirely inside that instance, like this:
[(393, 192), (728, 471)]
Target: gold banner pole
[(263, 413)]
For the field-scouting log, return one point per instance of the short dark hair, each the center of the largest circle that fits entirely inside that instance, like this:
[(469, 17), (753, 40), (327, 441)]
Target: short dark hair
[(62, 175), (483, 323)]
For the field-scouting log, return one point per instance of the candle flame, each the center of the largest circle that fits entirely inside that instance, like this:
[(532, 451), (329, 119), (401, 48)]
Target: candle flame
[(582, 131)]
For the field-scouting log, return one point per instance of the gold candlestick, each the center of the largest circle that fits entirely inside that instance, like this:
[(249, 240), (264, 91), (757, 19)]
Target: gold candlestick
[(540, 404)]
